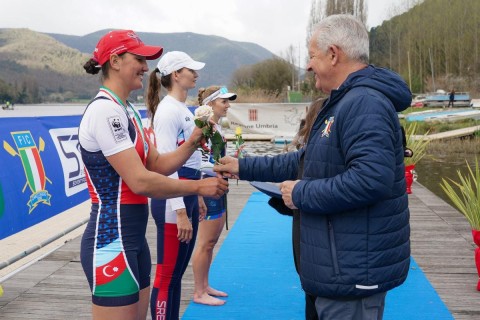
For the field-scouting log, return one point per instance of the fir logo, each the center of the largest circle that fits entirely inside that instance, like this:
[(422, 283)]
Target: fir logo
[(328, 127), (35, 175)]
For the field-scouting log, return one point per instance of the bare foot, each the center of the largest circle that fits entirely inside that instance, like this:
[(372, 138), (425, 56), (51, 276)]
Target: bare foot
[(208, 300), (216, 293)]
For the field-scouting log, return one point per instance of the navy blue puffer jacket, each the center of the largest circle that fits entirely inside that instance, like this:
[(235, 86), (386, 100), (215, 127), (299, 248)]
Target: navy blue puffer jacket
[(355, 232)]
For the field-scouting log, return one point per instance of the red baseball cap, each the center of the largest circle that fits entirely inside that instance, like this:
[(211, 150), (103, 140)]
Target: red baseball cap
[(121, 41)]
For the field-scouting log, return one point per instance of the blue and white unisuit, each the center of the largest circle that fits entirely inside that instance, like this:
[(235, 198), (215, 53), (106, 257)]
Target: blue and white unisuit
[(114, 252)]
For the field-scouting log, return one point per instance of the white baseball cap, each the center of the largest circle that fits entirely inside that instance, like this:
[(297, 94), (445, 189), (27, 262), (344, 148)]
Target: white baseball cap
[(176, 60), (221, 93)]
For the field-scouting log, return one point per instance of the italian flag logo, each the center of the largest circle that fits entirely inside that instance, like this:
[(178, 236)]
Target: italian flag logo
[(32, 163)]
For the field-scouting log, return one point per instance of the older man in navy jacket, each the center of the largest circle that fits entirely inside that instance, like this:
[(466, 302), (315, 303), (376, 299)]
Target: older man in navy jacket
[(355, 232)]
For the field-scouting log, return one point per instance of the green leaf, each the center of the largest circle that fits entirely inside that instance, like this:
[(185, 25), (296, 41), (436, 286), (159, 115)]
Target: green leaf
[(207, 131), (199, 123), (418, 144), (466, 195), (216, 138), (218, 145)]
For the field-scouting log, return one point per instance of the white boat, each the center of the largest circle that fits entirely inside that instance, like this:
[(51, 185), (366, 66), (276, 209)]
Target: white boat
[(282, 140), (475, 103), (441, 99), (444, 115), (469, 114)]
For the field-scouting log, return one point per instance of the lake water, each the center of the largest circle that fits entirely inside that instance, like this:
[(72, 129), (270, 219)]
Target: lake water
[(430, 171), (435, 167)]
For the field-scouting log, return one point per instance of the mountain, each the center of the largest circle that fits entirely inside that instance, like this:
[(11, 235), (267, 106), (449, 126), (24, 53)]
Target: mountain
[(221, 56), (40, 67), (54, 61)]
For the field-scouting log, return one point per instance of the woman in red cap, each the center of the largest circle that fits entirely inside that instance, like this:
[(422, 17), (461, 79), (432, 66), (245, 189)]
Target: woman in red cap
[(122, 169)]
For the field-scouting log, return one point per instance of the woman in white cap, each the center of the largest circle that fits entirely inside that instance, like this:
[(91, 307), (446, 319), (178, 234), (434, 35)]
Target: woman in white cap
[(211, 227), (123, 169), (176, 219)]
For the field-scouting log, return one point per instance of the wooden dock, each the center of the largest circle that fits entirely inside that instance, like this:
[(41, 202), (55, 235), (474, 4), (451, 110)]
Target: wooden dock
[(452, 134), (55, 287)]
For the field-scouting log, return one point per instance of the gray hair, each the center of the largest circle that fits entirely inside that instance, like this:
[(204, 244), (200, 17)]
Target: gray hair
[(346, 32)]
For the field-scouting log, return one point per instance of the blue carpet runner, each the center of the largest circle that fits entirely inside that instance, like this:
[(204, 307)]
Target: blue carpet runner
[(255, 267)]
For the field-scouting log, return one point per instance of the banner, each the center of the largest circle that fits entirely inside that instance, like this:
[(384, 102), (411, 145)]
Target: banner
[(277, 119), (42, 174), (41, 170)]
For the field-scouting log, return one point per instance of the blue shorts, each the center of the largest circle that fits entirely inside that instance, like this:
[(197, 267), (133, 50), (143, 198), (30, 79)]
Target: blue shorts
[(115, 255), (215, 207)]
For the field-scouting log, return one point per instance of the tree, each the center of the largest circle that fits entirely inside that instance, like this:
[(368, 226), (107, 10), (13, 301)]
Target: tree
[(317, 13), (243, 78), (290, 58), (322, 8), (6, 92), (271, 75), (358, 8), (435, 44)]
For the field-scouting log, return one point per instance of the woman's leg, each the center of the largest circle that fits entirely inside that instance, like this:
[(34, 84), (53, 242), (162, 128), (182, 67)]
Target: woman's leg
[(129, 312), (211, 291), (208, 234), (191, 205), (172, 260), (168, 248), (145, 268), (143, 303)]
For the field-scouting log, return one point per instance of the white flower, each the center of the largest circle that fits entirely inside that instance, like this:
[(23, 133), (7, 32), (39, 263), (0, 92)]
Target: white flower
[(203, 113)]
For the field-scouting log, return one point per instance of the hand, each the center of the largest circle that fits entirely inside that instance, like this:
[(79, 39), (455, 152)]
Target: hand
[(286, 188), (228, 167), (202, 209), (184, 226), (197, 138), (212, 187)]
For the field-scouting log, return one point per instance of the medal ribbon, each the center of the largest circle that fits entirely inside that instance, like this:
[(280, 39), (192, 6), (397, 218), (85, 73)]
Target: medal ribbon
[(136, 119)]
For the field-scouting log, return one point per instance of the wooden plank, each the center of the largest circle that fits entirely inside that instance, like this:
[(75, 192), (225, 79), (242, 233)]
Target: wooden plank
[(441, 245), (453, 133), (55, 286)]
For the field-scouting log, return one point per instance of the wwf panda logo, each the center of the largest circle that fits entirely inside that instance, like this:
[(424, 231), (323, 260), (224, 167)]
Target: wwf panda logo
[(116, 127)]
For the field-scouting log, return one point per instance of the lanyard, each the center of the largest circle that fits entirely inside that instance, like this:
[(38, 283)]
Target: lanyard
[(136, 118)]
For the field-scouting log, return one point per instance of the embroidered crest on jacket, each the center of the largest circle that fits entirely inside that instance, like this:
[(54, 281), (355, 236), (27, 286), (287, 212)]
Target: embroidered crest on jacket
[(328, 127)]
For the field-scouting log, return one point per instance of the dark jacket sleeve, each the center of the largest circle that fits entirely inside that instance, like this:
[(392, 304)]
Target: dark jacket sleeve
[(270, 169), (369, 141)]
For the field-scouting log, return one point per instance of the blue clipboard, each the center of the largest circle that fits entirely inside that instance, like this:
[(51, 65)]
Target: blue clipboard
[(270, 189)]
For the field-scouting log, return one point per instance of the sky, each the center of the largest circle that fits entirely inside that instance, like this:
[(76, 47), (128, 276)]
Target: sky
[(272, 24)]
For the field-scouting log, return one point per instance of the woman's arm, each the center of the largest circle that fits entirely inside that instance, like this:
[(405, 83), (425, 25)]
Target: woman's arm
[(168, 163), (128, 165)]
